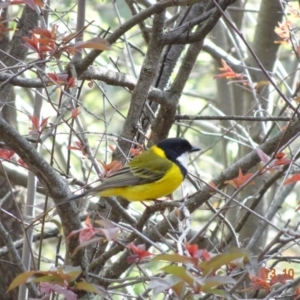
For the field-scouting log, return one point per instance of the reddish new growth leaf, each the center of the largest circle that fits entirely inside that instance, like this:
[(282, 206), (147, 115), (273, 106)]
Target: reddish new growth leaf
[(71, 83), (280, 160), (37, 128), (75, 113), (86, 233), (137, 150), (194, 251), (280, 278), (283, 30), (297, 294), (79, 147), (294, 178), (6, 154), (197, 253), (139, 253), (240, 180), (260, 281), (111, 167), (46, 42), (30, 3), (279, 155), (48, 288), (228, 73), (90, 234), (22, 163), (60, 79)]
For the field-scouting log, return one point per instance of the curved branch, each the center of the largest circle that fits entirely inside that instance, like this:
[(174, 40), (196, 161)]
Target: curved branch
[(54, 184), (230, 118), (138, 18)]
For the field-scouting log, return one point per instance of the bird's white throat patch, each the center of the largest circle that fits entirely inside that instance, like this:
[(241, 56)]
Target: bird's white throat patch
[(183, 159)]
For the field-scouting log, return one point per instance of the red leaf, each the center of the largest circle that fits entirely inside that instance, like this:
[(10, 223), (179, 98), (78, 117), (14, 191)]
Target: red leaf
[(111, 167), (257, 284), (297, 294), (192, 249), (35, 122), (6, 154), (205, 255), (71, 83), (31, 43), (280, 278), (42, 32), (43, 124), (294, 178), (279, 155), (140, 253), (282, 161), (79, 147), (75, 113), (22, 163), (48, 288), (228, 73), (86, 234), (240, 180), (136, 151), (58, 78)]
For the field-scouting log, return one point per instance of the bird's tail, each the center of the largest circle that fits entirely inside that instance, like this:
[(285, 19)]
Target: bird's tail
[(74, 197)]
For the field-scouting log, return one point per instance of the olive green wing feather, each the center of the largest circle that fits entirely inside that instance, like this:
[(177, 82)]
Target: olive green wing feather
[(153, 169)]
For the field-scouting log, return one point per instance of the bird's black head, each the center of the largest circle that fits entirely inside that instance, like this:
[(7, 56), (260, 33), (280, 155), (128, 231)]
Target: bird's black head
[(177, 150)]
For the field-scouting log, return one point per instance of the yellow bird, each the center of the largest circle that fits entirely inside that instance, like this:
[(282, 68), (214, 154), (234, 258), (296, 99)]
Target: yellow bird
[(155, 173)]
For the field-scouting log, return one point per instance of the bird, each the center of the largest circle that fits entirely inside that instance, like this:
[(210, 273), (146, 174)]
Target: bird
[(154, 173)]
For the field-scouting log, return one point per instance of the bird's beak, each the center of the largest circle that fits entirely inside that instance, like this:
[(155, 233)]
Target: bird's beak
[(194, 149)]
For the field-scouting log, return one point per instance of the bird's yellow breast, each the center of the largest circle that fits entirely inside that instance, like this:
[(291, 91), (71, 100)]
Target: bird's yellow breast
[(150, 191)]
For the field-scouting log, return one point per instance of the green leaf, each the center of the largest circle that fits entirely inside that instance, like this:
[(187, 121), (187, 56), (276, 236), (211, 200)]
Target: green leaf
[(220, 260), (181, 273), (49, 279), (176, 258), (215, 281), (21, 279)]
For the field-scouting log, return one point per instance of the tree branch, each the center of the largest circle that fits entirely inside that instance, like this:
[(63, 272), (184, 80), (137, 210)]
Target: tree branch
[(54, 184), (230, 118)]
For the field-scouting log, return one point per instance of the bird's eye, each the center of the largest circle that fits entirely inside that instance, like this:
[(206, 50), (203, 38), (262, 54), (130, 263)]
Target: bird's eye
[(179, 148)]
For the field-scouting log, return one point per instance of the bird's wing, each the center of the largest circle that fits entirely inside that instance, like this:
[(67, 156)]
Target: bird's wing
[(130, 176), (152, 170)]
